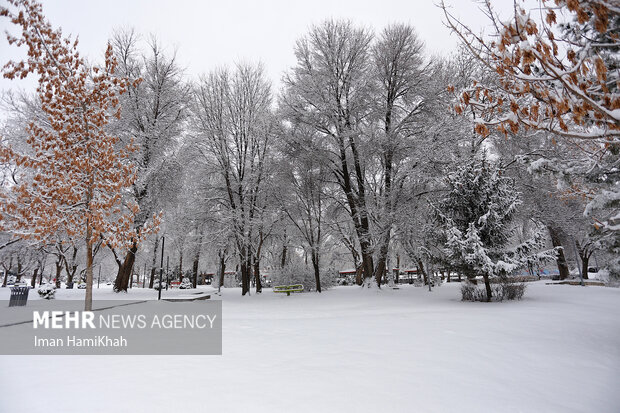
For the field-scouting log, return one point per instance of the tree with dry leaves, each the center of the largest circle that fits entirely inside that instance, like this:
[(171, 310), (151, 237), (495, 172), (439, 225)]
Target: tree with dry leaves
[(561, 77), (556, 70), (78, 171)]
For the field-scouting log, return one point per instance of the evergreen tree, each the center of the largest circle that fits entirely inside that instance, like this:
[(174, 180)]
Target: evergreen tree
[(475, 220)]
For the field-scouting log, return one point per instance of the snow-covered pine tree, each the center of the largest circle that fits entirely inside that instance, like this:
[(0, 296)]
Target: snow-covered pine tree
[(475, 220)]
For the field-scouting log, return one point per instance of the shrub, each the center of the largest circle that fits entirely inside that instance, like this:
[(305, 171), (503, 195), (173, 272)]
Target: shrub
[(47, 291), (156, 284), (186, 284), (504, 289), (470, 292), (329, 277), (610, 275), (513, 291), (434, 279), (296, 273)]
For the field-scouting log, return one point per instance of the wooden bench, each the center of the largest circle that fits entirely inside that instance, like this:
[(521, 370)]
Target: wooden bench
[(288, 289)]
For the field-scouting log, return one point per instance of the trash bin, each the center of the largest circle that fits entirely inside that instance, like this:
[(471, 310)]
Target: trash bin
[(19, 296)]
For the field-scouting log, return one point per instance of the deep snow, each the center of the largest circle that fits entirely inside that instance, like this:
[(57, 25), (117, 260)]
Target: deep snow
[(348, 349)]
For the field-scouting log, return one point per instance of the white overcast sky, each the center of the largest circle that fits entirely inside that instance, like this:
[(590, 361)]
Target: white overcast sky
[(208, 33)]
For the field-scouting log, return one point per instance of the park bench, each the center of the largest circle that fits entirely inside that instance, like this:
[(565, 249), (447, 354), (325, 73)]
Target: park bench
[(288, 289), (19, 296)]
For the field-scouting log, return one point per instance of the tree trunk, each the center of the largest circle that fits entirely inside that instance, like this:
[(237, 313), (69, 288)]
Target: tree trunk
[(245, 267), (584, 254), (180, 266), (367, 266), (222, 269), (88, 301), (283, 256), (359, 273), (245, 277), (58, 272), (125, 269), (195, 269), (152, 277), (6, 276), (257, 280), (153, 267), (421, 269), (585, 259), (317, 273), (71, 269), (560, 260), (487, 286), (397, 272), (380, 271), (34, 277), (70, 275), (19, 270)]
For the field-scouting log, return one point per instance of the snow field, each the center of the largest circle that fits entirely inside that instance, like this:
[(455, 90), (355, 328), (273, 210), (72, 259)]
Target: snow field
[(348, 349)]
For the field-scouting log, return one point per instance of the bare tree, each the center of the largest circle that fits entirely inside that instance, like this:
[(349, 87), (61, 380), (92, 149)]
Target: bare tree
[(153, 118), (233, 124), (330, 91), (304, 177)]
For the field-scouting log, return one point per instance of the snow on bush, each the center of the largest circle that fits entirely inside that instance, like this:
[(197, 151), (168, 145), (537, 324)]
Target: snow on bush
[(512, 291), (295, 273), (329, 277), (156, 284), (471, 292), (504, 289), (47, 291), (610, 275), (186, 284)]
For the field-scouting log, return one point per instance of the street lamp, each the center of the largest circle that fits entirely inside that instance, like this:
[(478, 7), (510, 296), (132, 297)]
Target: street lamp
[(161, 267)]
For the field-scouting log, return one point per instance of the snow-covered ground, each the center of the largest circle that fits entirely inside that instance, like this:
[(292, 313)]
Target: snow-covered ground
[(355, 350)]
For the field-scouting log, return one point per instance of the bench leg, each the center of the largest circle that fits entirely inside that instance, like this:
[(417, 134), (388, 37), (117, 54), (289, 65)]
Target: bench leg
[(288, 293)]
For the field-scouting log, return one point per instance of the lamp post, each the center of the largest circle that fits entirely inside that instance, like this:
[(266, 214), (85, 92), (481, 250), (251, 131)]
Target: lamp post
[(167, 272), (161, 267)]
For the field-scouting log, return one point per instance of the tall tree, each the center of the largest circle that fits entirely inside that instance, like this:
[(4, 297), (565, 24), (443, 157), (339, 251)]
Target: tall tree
[(302, 199), (405, 95), (153, 117), (80, 171), (330, 90), (233, 127)]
